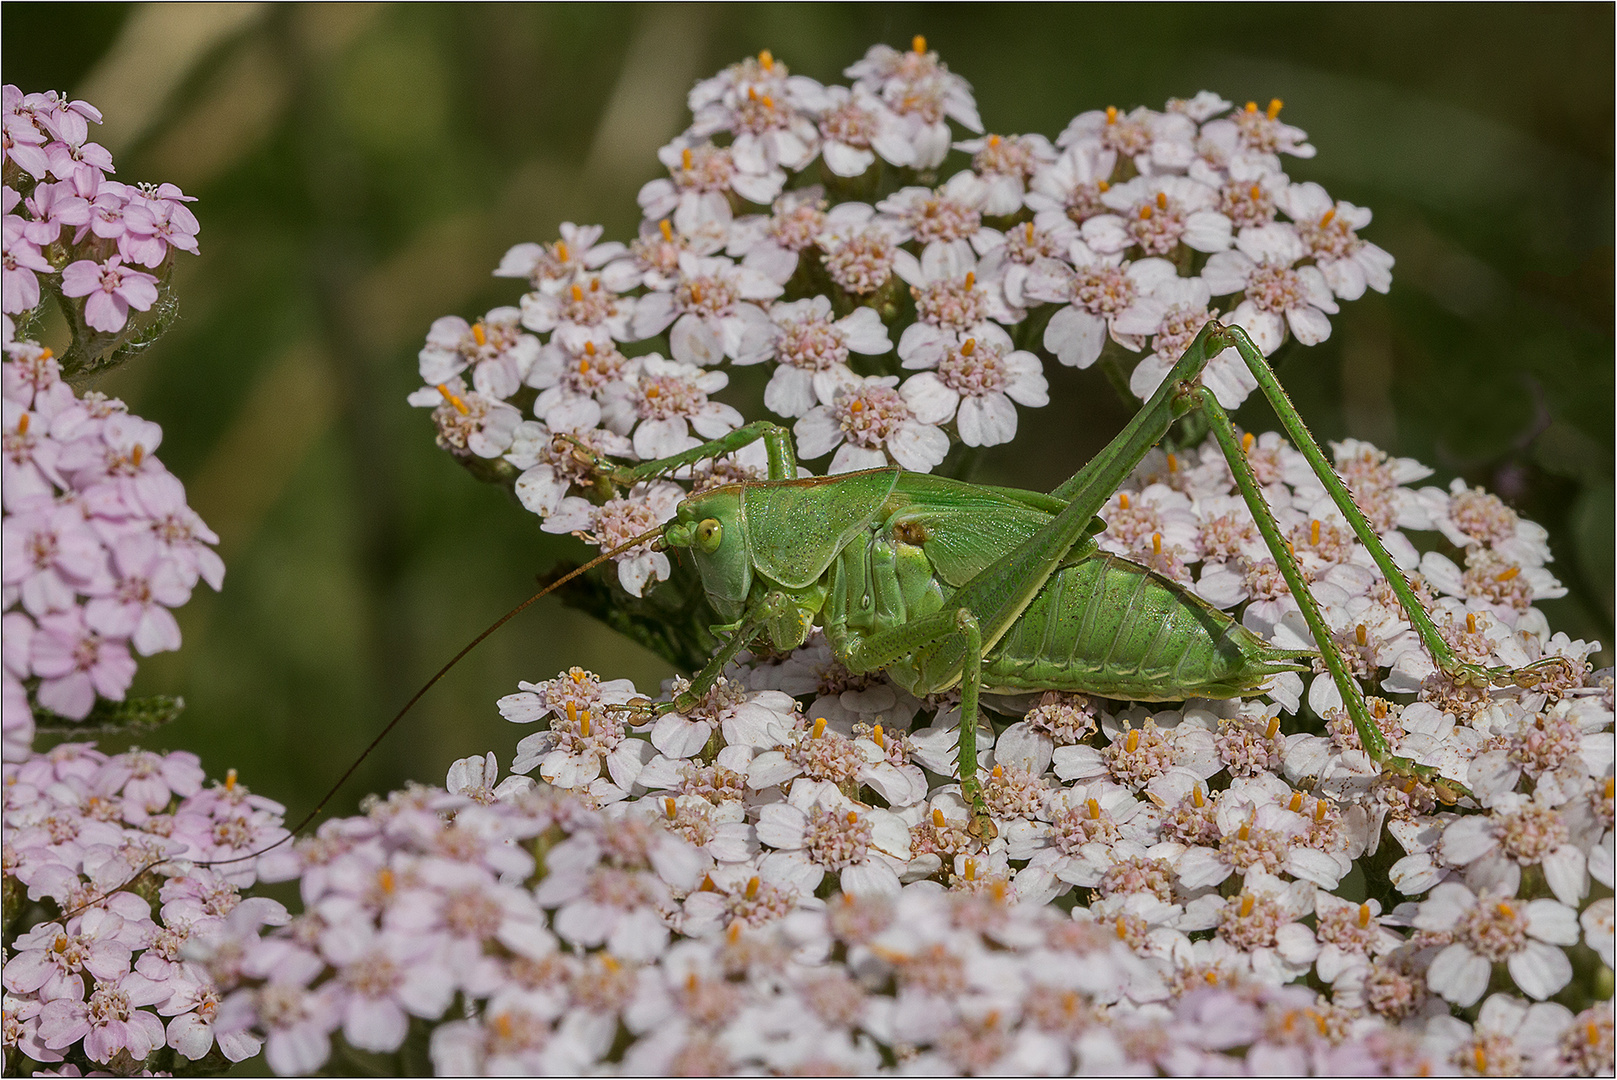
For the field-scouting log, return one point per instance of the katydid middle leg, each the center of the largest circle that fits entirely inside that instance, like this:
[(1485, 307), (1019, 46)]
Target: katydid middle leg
[(777, 441)]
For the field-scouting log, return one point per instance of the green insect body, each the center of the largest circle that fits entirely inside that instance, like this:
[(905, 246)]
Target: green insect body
[(944, 584), (902, 543)]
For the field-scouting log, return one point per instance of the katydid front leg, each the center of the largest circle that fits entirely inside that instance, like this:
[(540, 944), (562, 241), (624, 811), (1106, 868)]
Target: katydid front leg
[(777, 441), (1451, 665), (742, 634)]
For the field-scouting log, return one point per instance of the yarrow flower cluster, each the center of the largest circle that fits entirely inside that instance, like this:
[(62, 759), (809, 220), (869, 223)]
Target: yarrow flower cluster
[(100, 970), (804, 228), (99, 545), (104, 248), (1245, 886)]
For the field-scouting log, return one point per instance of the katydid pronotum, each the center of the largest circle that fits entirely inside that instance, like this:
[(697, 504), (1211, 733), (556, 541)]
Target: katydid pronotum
[(945, 585)]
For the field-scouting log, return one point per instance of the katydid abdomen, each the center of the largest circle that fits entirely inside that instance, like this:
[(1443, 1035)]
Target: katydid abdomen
[(1111, 627)]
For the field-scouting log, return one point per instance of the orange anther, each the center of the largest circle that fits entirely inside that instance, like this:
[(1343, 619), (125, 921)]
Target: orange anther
[(1313, 532), (1102, 186), (1246, 442), (998, 773), (1123, 500), (1364, 915), (1196, 798), (1162, 200), (503, 1025), (22, 424), (671, 808), (584, 723), (1296, 802), (968, 347), (1132, 743), (666, 229), (970, 872), (1093, 806), (918, 44), (1252, 106), (732, 933), (819, 728), (853, 817), (877, 737), (1470, 622), (1156, 543), (1319, 810), (1325, 218), (578, 294), (971, 280), (685, 157), (654, 391), (1361, 635), (938, 820), (752, 888), (1256, 191), (1173, 463), (595, 285), (385, 880), (1122, 927), (561, 251), (993, 140), (454, 399), (1111, 114), (769, 102), (1145, 212), (1275, 105), (137, 454), (1029, 228), (1506, 576), (1248, 902), (1273, 728), (230, 779), (766, 60)]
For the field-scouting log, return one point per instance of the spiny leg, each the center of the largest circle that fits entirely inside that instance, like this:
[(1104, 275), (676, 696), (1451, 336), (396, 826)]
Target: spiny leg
[(777, 441), (1452, 666), (1352, 697)]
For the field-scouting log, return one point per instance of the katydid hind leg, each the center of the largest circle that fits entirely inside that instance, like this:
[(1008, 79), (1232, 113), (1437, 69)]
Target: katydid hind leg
[(1352, 696), (1451, 665)]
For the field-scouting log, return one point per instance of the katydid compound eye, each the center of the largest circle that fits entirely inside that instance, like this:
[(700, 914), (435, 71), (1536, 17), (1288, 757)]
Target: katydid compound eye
[(708, 535)]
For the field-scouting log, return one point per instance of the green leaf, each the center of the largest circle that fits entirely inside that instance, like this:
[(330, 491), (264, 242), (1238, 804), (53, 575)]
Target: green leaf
[(129, 717)]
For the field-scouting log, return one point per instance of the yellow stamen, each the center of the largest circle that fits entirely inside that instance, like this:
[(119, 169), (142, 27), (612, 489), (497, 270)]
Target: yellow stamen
[(1247, 904), (970, 872), (766, 60), (561, 251), (1470, 622), (968, 347), (1156, 543), (578, 295), (1252, 106), (971, 280), (1246, 442), (752, 888), (595, 285), (1506, 576), (22, 424), (1275, 105), (1094, 809), (819, 728), (1244, 832), (769, 102), (1123, 500), (1145, 212), (654, 391), (1506, 910), (1313, 533), (1173, 463), (918, 44), (1196, 798), (454, 399), (1364, 915), (1162, 200), (1481, 1057), (610, 962), (707, 884), (685, 158), (1030, 232), (584, 723), (1325, 218), (732, 933), (696, 292), (1319, 811), (938, 820), (671, 808), (1296, 802), (993, 140), (667, 230), (1111, 114), (385, 880), (572, 713), (503, 1026), (1274, 726), (1256, 191), (877, 737), (692, 982), (1122, 927), (1592, 1032), (46, 354), (856, 406), (1102, 186), (1132, 743), (1361, 635), (998, 773), (137, 454), (230, 779), (853, 817)]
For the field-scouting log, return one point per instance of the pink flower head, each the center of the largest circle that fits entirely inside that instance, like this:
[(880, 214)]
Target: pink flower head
[(112, 290), (76, 664)]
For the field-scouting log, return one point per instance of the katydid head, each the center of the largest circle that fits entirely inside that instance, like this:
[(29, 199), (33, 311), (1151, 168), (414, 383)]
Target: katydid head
[(713, 526)]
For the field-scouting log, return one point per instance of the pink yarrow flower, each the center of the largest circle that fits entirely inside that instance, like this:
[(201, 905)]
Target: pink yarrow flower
[(111, 289)]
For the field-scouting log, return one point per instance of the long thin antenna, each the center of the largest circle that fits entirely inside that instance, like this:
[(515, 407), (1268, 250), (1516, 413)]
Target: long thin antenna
[(308, 818)]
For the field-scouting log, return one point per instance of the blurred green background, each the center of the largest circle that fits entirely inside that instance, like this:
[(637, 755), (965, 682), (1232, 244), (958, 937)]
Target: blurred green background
[(361, 169)]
